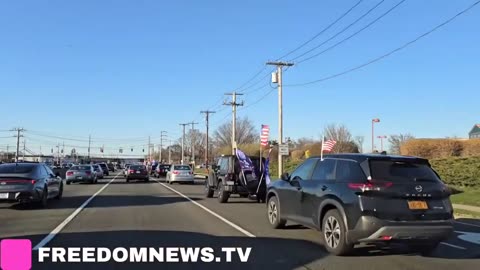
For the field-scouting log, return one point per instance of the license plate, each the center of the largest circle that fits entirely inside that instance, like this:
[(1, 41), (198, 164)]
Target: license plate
[(138, 171), (417, 205), (79, 177), (3, 195)]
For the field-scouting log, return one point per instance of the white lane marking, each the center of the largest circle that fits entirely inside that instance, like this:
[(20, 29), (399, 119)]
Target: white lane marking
[(468, 224), (238, 228), (62, 225), (453, 246)]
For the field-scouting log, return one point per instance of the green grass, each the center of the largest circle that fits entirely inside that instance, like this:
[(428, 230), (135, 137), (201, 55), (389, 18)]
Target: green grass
[(465, 213), (468, 197), (201, 171)]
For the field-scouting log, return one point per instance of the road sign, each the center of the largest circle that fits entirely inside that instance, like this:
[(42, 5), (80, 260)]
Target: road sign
[(283, 149)]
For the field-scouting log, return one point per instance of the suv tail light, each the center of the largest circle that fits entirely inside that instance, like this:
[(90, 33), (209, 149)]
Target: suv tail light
[(369, 185), (130, 171), (176, 172), (69, 173)]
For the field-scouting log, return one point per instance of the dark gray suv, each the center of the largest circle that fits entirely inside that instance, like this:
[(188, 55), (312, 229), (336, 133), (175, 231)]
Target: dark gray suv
[(362, 198)]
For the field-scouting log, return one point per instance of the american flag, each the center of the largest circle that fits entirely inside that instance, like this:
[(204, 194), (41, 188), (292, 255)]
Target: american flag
[(264, 135), (328, 145)]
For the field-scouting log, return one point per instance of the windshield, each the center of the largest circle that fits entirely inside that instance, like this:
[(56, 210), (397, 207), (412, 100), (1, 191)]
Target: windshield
[(137, 167), (16, 168)]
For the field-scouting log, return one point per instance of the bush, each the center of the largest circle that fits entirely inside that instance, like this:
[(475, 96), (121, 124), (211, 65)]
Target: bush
[(471, 147), (458, 172), (432, 148)]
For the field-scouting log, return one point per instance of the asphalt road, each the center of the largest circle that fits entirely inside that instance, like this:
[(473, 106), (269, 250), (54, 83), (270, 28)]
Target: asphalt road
[(156, 215)]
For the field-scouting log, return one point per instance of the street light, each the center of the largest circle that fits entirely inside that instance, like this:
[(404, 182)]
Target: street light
[(381, 141), (374, 120)]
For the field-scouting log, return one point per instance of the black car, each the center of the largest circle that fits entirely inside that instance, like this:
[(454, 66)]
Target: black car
[(104, 168), (162, 170), (362, 198), (29, 182), (137, 172)]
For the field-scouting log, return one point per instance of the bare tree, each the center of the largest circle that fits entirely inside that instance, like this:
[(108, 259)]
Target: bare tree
[(343, 137), (396, 141), (359, 141), (245, 133)]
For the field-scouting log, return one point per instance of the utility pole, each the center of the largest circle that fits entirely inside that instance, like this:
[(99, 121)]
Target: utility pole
[(207, 114), (24, 150), (374, 120), (277, 78), (183, 141), (162, 134), (149, 145), (234, 105), (193, 142), (18, 130), (89, 142), (170, 152)]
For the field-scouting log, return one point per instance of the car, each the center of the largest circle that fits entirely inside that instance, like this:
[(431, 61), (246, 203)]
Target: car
[(162, 170), (365, 198), (81, 173), (29, 182), (118, 166), (180, 174), (226, 178), (137, 172), (111, 167), (98, 171), (104, 168)]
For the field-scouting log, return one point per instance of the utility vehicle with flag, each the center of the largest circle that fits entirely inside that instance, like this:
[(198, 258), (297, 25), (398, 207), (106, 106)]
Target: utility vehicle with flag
[(237, 174)]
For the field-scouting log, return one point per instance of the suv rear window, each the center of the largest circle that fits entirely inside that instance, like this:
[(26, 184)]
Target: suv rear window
[(401, 171), (137, 167), (17, 168), (80, 168), (182, 168)]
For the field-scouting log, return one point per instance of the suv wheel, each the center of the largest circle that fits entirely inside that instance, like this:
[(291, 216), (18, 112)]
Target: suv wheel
[(208, 190), (273, 213), (334, 233), (222, 194)]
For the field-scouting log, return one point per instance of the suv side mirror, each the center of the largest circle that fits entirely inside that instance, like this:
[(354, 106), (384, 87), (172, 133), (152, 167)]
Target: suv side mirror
[(285, 177)]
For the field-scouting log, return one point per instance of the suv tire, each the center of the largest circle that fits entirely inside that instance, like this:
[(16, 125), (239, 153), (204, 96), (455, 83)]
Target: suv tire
[(44, 200), (222, 194), (334, 233), (208, 190), (273, 213)]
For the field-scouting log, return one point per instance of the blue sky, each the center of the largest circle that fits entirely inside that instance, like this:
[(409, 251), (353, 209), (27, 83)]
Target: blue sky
[(128, 69)]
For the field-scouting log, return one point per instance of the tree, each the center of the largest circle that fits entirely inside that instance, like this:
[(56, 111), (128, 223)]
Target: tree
[(194, 137), (343, 137), (245, 133), (396, 141), (359, 141)]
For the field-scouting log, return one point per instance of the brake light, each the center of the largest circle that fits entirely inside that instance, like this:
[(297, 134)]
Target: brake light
[(370, 185), (69, 173), (190, 172), (130, 171), (176, 172), (386, 238), (88, 172)]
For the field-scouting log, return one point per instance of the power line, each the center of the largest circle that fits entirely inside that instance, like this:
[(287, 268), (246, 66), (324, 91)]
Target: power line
[(352, 35), (322, 31), (391, 52), (341, 31)]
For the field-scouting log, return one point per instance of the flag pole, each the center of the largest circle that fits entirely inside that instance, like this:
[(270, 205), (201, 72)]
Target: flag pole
[(321, 151)]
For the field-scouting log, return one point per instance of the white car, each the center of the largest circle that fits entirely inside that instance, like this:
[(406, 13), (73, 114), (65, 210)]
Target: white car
[(180, 173)]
